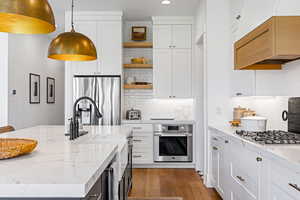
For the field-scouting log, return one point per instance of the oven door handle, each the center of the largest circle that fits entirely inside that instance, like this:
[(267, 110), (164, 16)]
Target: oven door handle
[(173, 135)]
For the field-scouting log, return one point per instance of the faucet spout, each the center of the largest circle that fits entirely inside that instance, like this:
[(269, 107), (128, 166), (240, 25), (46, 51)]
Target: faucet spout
[(98, 114), (74, 127)]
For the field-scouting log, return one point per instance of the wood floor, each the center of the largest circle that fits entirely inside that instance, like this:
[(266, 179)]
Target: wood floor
[(184, 183)]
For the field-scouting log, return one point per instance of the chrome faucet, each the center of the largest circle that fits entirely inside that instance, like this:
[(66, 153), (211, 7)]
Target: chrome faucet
[(74, 124)]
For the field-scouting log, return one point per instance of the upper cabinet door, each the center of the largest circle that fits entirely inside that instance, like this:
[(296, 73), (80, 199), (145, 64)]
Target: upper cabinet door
[(162, 73), (182, 73), (162, 36), (89, 29), (182, 36), (109, 48)]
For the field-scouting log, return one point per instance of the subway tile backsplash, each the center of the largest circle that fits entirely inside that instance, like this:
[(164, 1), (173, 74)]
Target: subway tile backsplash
[(179, 109)]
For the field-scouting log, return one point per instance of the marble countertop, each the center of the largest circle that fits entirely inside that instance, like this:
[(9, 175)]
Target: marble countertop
[(283, 153), (59, 167), (158, 121)]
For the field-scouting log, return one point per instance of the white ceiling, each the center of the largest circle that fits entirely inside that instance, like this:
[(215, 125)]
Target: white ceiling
[(133, 9)]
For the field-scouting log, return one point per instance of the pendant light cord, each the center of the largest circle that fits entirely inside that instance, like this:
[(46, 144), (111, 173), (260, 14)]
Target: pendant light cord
[(72, 16)]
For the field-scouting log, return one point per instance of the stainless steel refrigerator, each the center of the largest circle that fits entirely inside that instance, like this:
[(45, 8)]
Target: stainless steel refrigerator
[(106, 92)]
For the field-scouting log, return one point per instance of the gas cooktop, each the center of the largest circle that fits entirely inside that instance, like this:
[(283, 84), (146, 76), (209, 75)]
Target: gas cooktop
[(271, 137)]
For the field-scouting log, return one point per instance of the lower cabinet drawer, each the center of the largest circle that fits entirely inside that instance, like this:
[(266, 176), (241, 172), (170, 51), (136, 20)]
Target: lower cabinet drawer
[(142, 157), (239, 192), (286, 180), (142, 143), (241, 177)]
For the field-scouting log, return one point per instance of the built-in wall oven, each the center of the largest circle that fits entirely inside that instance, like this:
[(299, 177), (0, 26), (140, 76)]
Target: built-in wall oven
[(173, 142)]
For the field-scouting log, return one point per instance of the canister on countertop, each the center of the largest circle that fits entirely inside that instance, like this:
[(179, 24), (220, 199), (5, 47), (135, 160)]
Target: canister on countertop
[(238, 113), (249, 113)]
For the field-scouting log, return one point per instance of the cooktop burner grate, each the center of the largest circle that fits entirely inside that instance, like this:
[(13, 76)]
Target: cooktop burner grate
[(271, 137)]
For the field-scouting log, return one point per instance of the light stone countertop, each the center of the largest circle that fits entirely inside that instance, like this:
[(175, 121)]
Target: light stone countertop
[(59, 167), (288, 155), (158, 121)]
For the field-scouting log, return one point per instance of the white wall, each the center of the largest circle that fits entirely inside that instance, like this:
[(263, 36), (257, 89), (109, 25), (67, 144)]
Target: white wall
[(3, 79), (28, 54), (219, 61)]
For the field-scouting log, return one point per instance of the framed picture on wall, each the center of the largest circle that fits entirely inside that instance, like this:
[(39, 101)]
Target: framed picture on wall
[(34, 89), (50, 90)]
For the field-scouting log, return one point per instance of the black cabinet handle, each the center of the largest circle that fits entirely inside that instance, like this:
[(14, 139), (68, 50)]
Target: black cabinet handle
[(285, 115), (95, 196), (241, 178), (295, 186)]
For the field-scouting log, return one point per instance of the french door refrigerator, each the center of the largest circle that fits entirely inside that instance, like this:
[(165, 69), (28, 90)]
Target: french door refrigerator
[(105, 91)]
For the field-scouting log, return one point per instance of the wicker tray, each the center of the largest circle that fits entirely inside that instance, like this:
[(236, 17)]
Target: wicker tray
[(11, 147)]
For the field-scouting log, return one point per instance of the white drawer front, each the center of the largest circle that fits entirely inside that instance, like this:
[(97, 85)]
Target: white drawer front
[(286, 180), (250, 183), (144, 128), (142, 157), (141, 143), (238, 191)]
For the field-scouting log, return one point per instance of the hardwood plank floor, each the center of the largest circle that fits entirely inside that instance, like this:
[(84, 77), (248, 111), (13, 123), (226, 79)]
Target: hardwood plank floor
[(184, 183)]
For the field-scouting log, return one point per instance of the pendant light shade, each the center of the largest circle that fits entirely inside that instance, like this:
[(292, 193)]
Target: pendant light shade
[(72, 46), (26, 17)]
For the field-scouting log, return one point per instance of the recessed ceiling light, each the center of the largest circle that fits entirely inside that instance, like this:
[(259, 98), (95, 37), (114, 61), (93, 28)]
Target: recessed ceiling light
[(166, 2)]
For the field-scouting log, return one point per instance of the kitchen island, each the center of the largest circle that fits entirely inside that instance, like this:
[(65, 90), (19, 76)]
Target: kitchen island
[(59, 168)]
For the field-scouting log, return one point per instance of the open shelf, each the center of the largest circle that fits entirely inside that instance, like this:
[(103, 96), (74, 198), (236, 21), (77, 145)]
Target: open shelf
[(138, 45), (134, 66), (132, 86)]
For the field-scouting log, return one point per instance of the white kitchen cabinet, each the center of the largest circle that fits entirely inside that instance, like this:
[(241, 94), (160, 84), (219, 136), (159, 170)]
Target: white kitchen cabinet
[(109, 46), (172, 36), (182, 72), (219, 164), (162, 73), (142, 143), (236, 7), (242, 83), (86, 67), (285, 182), (182, 36), (279, 194), (255, 12), (162, 36), (172, 57), (172, 73), (245, 171), (107, 37)]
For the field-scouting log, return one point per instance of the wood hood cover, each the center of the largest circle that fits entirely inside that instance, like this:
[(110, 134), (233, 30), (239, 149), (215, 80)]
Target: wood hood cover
[(275, 42)]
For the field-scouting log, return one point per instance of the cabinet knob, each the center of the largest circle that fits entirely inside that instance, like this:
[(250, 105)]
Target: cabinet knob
[(226, 141), (215, 148), (259, 159), (238, 17)]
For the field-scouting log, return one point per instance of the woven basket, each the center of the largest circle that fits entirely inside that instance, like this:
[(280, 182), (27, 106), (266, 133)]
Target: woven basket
[(10, 147)]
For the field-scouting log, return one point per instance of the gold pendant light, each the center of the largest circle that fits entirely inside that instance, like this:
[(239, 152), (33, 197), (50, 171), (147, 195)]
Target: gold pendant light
[(26, 17), (72, 46)]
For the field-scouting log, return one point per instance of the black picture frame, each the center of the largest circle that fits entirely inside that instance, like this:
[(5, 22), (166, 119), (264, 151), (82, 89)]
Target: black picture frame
[(34, 88), (50, 90)]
